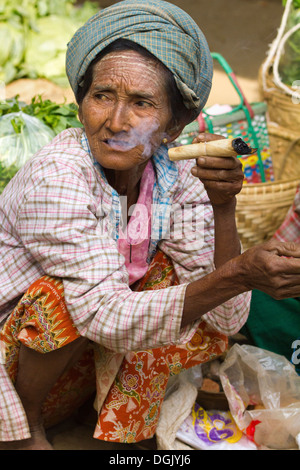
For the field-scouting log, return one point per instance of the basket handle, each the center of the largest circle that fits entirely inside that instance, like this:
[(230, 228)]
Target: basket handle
[(275, 53), (277, 79), (244, 105), (232, 77)]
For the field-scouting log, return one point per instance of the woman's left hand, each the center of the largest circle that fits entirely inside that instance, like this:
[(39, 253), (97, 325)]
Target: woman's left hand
[(222, 176)]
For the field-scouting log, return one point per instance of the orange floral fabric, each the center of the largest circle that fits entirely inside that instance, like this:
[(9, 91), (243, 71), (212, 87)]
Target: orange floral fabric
[(131, 410), (41, 322), (134, 385)]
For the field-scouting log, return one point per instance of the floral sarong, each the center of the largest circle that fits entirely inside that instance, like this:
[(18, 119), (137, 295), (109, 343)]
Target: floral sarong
[(41, 322), (131, 408)]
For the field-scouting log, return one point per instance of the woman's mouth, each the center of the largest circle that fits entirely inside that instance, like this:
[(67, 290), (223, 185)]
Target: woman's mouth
[(119, 144)]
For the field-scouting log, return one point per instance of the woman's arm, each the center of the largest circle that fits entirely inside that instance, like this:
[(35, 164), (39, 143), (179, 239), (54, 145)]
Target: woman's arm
[(265, 267), (273, 267), (227, 242), (223, 180)]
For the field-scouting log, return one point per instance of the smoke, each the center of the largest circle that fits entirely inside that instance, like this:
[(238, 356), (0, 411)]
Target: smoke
[(140, 135)]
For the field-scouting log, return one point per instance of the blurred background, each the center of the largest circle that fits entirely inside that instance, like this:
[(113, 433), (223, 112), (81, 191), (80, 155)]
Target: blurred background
[(240, 30)]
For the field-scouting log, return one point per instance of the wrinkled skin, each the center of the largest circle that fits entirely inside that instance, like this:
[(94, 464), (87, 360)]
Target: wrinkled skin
[(275, 268), (126, 114)]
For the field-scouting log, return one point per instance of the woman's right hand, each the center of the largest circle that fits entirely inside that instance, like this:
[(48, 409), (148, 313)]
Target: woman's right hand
[(222, 177), (272, 267)]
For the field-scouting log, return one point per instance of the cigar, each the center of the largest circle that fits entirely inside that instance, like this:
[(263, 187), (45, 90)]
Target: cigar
[(214, 148)]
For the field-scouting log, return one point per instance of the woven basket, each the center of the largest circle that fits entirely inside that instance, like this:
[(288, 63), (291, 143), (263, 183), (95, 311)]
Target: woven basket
[(285, 149), (283, 108), (261, 208), (283, 101)]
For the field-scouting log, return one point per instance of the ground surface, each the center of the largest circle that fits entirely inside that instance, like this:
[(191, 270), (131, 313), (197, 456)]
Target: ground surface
[(241, 30)]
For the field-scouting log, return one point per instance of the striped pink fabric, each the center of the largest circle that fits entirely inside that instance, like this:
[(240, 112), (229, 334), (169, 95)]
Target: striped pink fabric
[(55, 219), (290, 228)]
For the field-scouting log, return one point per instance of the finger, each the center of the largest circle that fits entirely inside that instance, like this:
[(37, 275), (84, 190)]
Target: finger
[(290, 264), (284, 269), (284, 249), (207, 137), (284, 292), (228, 176), (289, 249), (228, 163), (289, 286), (223, 187)]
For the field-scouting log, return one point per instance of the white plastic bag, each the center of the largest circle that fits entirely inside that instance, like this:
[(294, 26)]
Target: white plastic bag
[(183, 424), (268, 383), (176, 407), (21, 136), (212, 430)]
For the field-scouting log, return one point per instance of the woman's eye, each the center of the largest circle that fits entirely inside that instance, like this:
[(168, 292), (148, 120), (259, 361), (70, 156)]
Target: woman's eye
[(101, 97), (143, 104)]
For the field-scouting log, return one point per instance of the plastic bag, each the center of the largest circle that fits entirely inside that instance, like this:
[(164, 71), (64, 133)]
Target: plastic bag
[(192, 375), (176, 407), (21, 136), (183, 424), (212, 430), (263, 392)]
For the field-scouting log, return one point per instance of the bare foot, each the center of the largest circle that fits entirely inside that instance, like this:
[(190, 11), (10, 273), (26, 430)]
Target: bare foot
[(37, 441)]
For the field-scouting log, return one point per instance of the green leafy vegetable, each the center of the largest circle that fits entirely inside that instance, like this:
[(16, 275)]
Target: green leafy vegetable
[(18, 124), (289, 66), (56, 116), (34, 36), (25, 128), (12, 51), (296, 3), (6, 174)]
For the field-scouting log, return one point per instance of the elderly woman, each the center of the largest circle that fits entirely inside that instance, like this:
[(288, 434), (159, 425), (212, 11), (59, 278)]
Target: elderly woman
[(106, 243)]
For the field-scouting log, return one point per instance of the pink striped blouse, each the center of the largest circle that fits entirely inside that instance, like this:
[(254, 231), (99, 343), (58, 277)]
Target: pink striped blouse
[(56, 219)]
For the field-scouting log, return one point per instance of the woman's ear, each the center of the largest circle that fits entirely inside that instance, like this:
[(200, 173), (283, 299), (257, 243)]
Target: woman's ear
[(175, 132), (80, 117)]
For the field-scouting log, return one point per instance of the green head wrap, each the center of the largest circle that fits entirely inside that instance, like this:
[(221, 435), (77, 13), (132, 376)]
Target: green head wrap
[(165, 30)]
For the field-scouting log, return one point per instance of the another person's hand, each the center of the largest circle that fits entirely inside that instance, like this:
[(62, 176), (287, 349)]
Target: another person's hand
[(222, 177), (274, 268)]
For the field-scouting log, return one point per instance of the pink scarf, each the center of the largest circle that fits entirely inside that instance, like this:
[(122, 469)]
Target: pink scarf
[(133, 243)]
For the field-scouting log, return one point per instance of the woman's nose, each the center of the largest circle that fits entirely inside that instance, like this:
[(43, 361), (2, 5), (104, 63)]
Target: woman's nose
[(118, 119)]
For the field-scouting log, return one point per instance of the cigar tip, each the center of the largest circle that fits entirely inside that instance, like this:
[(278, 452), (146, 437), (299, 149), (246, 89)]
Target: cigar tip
[(241, 148)]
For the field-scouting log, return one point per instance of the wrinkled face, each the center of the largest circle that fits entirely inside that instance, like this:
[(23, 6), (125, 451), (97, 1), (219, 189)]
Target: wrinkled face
[(125, 112)]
